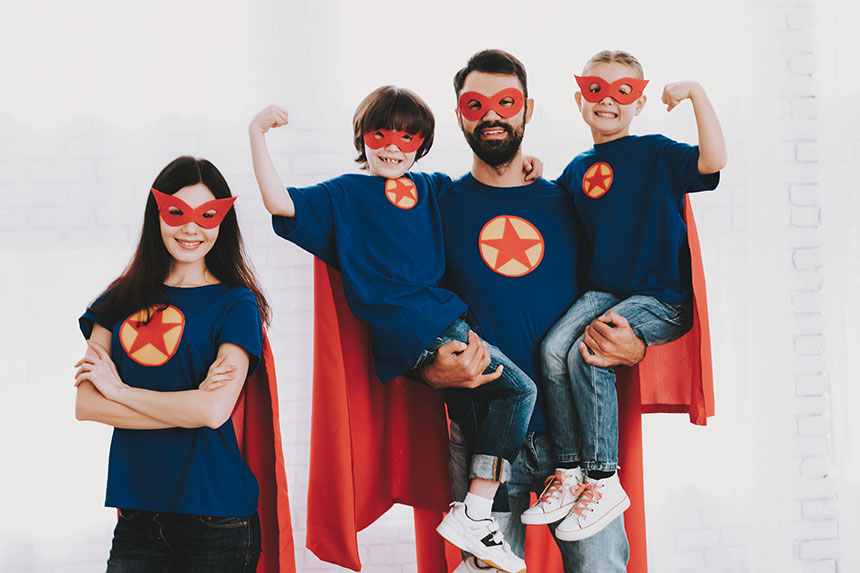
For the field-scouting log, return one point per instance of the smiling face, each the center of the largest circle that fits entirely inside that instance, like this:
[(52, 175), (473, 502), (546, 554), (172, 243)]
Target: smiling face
[(188, 243), (493, 133), (608, 119), (387, 159)]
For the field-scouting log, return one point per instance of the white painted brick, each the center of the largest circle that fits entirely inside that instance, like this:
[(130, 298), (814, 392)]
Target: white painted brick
[(60, 171), (807, 151), (811, 385), (793, 41), (806, 216), (821, 488), (809, 445), (799, 128), (804, 195), (815, 467), (800, 18), (800, 172), (813, 425), (828, 566), (804, 238), (807, 302), (819, 549), (727, 559), (737, 535), (686, 561), (697, 538), (809, 345), (804, 107), (806, 258), (820, 508), (809, 405)]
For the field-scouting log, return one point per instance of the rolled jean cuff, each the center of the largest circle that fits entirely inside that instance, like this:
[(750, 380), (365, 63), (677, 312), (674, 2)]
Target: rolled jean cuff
[(567, 458), (599, 466), (489, 467)]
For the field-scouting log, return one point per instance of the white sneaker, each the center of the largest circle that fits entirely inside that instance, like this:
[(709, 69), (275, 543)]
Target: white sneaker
[(557, 499), (482, 538), (600, 501), (473, 565)]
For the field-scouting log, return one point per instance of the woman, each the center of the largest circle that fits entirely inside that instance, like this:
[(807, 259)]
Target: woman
[(170, 343)]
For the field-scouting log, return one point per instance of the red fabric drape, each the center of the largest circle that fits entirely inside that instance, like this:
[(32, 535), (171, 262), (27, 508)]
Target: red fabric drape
[(373, 445), (258, 433)]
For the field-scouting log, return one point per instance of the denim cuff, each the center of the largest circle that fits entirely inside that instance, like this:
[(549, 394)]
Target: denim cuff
[(490, 467), (599, 466)]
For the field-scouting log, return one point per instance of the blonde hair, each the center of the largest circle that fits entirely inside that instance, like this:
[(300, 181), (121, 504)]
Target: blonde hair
[(620, 56)]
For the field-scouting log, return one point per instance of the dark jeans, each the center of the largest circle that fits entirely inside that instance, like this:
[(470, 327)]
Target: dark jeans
[(494, 416), (147, 541)]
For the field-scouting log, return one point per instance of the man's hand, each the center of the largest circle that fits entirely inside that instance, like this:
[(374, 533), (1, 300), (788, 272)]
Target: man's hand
[(613, 342), (460, 365)]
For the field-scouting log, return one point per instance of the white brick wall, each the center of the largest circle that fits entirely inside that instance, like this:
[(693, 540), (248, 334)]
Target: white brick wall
[(779, 245)]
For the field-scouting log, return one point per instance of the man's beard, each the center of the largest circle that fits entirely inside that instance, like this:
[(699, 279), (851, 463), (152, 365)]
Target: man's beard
[(495, 152)]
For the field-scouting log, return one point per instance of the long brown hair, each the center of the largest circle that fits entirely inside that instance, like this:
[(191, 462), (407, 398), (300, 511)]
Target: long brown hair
[(140, 285)]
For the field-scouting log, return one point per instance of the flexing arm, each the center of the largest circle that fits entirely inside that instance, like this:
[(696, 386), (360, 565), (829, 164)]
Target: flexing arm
[(712, 144), (275, 197), (210, 405)]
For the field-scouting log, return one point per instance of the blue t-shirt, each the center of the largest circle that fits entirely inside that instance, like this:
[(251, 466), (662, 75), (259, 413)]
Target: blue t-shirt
[(388, 247), (182, 470), (513, 255), (629, 194)]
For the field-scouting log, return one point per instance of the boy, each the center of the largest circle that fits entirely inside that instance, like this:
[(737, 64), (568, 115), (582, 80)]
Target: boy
[(384, 234), (629, 193)]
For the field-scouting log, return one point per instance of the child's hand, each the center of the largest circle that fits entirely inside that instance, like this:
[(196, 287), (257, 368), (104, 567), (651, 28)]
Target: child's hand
[(676, 92), (532, 168), (272, 116)]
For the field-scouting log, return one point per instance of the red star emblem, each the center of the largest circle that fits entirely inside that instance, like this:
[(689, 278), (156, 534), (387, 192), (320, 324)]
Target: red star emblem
[(152, 343), (597, 180), (511, 246), (401, 192)]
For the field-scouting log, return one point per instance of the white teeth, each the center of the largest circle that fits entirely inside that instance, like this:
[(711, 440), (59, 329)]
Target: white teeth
[(604, 114), (188, 244)]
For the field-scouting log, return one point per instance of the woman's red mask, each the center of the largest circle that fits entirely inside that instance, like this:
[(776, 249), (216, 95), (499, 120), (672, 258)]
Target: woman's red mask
[(403, 140), (176, 212), (616, 90), (507, 103)]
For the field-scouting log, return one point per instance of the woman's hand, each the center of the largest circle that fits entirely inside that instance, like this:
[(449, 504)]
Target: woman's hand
[(219, 374), (97, 367)]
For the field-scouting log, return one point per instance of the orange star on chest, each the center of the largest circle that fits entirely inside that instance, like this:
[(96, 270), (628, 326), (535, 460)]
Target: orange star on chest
[(155, 342), (511, 246), (597, 180), (401, 192)]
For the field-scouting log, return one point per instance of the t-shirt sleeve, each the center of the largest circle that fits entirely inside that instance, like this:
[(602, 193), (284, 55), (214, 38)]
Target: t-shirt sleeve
[(313, 227), (563, 180), (682, 161), (243, 327), (89, 319), (438, 183)]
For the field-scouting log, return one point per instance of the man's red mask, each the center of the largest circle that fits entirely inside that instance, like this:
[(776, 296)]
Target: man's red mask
[(403, 140), (176, 212), (615, 90), (507, 103)]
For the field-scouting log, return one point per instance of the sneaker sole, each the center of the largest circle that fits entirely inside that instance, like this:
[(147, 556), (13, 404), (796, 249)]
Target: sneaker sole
[(455, 538), (597, 526), (546, 518)]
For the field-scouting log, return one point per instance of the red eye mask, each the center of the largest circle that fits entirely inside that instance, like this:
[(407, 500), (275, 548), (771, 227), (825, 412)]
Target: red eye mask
[(176, 212), (391, 137), (493, 102), (612, 90)]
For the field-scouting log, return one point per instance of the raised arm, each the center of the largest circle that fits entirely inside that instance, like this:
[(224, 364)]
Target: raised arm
[(275, 196), (712, 144), (186, 409)]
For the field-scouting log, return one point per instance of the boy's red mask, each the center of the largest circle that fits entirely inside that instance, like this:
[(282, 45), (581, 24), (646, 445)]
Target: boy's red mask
[(493, 102), (176, 212), (613, 90), (391, 137)]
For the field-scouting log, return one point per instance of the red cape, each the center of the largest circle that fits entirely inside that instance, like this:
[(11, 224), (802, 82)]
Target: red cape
[(373, 444), (258, 433)]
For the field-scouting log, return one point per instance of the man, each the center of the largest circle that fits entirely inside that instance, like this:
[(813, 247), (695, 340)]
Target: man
[(513, 254)]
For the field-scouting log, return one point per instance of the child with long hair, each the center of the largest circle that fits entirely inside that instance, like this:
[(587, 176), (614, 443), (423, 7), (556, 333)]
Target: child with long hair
[(170, 344)]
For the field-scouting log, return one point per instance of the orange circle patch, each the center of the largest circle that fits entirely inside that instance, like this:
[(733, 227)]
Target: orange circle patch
[(401, 192), (597, 180), (155, 342), (511, 246)]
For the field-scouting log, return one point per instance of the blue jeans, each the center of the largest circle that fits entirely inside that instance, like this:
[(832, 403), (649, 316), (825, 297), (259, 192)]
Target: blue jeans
[(580, 399), (147, 541), (494, 416), (605, 552)]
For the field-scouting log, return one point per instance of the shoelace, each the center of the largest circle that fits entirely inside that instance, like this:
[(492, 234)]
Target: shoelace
[(586, 495), (554, 487)]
